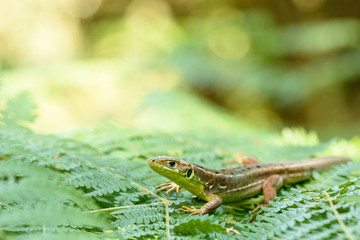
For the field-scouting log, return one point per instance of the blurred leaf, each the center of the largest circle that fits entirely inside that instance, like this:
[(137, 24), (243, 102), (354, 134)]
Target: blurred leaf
[(19, 110)]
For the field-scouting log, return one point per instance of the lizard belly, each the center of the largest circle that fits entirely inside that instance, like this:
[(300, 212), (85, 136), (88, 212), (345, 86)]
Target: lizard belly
[(241, 192)]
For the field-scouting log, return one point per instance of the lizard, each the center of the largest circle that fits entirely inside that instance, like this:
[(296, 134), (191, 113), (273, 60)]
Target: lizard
[(235, 184)]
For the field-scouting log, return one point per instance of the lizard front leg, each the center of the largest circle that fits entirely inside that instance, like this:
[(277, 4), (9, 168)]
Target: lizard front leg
[(214, 202)]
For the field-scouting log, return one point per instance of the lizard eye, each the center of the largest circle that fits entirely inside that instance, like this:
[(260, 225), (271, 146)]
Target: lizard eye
[(172, 164), (188, 173)]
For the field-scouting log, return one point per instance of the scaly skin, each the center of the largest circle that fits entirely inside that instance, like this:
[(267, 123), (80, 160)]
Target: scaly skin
[(235, 184)]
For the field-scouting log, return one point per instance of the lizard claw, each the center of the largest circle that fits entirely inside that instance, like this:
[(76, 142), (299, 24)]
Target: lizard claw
[(258, 207), (168, 185), (192, 210), (171, 186), (255, 210)]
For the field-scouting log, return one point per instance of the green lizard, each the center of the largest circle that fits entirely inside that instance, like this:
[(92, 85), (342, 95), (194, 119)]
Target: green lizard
[(234, 184)]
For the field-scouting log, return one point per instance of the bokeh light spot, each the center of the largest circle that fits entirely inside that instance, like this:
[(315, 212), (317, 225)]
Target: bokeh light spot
[(80, 8), (229, 42)]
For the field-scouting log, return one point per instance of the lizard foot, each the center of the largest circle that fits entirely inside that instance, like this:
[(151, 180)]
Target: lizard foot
[(237, 161), (192, 210), (241, 159), (258, 207), (168, 185), (255, 210), (228, 230)]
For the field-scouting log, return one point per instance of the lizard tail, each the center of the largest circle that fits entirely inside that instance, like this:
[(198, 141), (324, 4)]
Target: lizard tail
[(322, 163)]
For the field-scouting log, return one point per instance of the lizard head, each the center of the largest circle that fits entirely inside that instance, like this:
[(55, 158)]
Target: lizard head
[(177, 170)]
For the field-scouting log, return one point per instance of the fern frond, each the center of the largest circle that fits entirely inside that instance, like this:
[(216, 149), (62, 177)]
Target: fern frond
[(198, 224), (299, 215), (59, 236), (48, 215), (19, 109), (100, 183), (74, 185), (131, 198), (334, 176), (140, 215), (139, 232)]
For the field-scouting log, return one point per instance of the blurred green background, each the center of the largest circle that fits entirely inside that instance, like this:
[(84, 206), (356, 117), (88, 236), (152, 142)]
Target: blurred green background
[(185, 65)]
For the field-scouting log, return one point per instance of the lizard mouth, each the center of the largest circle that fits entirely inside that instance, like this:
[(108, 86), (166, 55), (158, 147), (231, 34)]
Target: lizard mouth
[(165, 165), (153, 163)]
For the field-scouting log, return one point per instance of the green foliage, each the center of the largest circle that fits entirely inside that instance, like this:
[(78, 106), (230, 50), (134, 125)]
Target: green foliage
[(95, 184), (20, 109), (36, 198), (197, 224), (307, 215), (266, 70)]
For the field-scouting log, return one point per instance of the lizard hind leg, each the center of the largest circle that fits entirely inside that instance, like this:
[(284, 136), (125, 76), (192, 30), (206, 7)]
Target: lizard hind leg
[(270, 187)]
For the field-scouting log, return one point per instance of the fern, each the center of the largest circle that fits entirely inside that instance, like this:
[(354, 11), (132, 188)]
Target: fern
[(20, 110), (96, 184), (100, 182), (199, 224), (33, 200), (300, 215)]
